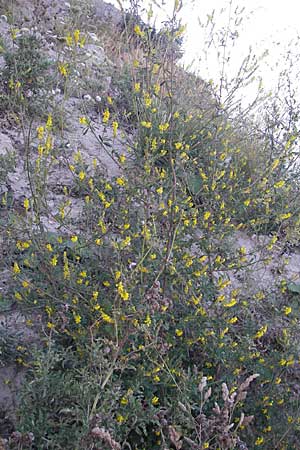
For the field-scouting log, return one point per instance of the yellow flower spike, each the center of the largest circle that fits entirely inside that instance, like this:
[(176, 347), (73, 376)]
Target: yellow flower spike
[(40, 132), (275, 164), (117, 275), (137, 87), (81, 175), (63, 69), (156, 88), (26, 204), (53, 261), (76, 35), (206, 215), (155, 69), (49, 122), (16, 268), (82, 42), (115, 126), (69, 40), (105, 116)]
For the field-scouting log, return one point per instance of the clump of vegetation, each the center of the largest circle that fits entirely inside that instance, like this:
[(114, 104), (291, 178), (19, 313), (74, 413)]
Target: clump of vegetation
[(24, 76), (148, 341)]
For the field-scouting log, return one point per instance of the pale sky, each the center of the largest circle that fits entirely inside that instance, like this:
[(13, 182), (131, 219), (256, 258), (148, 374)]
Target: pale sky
[(267, 25)]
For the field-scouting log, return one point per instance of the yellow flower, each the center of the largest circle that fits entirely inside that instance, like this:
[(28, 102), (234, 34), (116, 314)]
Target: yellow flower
[(120, 181), (163, 127), (231, 303), (287, 310), (122, 291), (233, 320), (106, 317), (77, 318), (124, 401), (284, 216), (155, 401), (83, 120), (261, 332), (178, 145), (74, 238), (206, 215), (148, 320), (178, 332), (259, 441), (146, 124), (120, 418), (279, 184), (138, 31)]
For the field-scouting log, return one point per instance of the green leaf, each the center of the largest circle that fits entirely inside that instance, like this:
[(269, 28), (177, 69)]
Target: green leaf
[(194, 184), (294, 287)]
